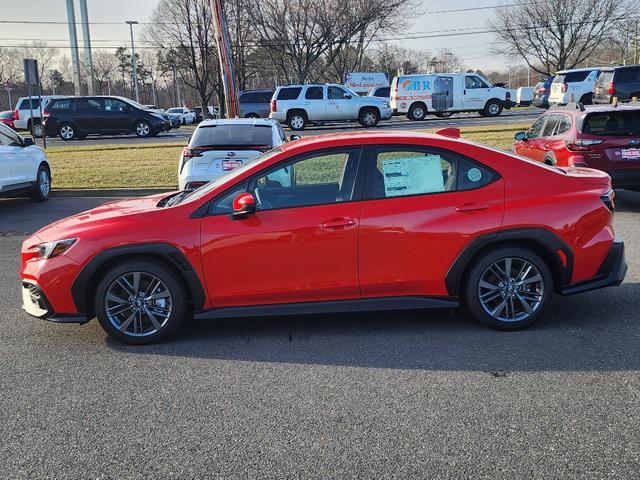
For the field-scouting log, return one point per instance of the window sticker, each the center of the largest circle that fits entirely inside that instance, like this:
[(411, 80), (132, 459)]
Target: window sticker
[(412, 176), (474, 174)]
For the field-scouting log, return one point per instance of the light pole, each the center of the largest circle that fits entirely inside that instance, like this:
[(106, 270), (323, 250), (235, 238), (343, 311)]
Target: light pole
[(8, 89), (133, 59)]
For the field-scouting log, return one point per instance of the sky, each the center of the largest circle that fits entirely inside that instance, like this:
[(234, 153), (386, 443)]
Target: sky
[(475, 50)]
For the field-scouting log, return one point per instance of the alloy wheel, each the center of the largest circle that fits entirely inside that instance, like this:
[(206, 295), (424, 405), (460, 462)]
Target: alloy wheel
[(138, 304), (44, 183), (297, 122), (511, 289), (66, 132), (494, 108), (142, 129), (369, 119), (38, 131)]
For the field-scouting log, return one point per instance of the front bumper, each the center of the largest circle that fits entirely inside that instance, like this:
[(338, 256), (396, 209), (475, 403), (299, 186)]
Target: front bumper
[(36, 304), (386, 113), (610, 274)]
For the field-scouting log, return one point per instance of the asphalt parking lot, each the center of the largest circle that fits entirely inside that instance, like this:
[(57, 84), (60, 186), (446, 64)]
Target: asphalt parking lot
[(394, 395), (182, 134)]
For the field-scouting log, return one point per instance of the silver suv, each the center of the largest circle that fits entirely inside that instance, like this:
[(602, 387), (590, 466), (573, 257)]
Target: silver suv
[(300, 105)]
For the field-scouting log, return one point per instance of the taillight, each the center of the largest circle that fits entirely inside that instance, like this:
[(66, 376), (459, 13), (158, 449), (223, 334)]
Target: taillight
[(16, 114), (565, 87), (612, 88), (582, 144), (609, 199), (274, 106), (188, 153)]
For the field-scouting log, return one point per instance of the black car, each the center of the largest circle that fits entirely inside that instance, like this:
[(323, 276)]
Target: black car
[(620, 82), (77, 117), (541, 93)]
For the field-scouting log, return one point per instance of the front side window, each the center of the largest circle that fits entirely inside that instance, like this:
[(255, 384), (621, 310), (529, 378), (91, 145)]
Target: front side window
[(317, 179), (536, 128), (113, 105), (336, 93), (416, 171), (474, 82)]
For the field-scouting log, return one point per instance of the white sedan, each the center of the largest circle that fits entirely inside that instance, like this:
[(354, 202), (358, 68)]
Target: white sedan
[(218, 146), (24, 167)]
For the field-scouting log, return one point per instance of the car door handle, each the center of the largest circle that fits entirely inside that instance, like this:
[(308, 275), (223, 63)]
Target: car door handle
[(547, 146), (471, 207), (338, 223)]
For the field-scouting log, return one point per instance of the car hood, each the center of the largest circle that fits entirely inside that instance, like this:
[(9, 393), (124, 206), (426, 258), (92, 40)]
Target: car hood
[(118, 211)]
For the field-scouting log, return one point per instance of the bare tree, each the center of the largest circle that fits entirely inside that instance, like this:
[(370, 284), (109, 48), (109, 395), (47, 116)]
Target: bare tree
[(393, 59), (559, 34)]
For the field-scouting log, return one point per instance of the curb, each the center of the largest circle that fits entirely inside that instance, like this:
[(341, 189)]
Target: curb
[(116, 192)]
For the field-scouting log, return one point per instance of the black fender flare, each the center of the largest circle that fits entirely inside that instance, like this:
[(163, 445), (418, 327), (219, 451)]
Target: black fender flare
[(544, 241), (86, 279)]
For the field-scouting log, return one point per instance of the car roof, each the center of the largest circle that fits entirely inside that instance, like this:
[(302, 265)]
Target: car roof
[(574, 109), (237, 121), (618, 67), (563, 72)]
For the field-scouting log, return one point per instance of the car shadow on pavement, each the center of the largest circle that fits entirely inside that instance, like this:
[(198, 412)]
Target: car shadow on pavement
[(593, 331)]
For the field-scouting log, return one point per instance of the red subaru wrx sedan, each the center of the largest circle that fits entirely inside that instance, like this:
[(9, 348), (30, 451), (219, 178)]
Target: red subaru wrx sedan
[(366, 221)]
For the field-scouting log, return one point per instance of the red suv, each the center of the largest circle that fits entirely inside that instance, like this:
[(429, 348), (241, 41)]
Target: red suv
[(348, 222), (605, 137)]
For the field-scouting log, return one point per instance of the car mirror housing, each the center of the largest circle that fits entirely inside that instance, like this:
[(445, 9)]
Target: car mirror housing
[(294, 137), (243, 206), (347, 96), (27, 142), (521, 136)]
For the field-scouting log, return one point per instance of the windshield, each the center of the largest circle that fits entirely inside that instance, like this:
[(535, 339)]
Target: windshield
[(229, 177), (134, 103), (175, 110), (229, 134)]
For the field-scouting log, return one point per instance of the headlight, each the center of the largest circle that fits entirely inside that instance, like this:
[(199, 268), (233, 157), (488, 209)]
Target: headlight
[(157, 115), (385, 105), (53, 249)]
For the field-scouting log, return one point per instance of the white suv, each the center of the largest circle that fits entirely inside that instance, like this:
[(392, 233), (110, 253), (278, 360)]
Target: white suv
[(185, 115), (22, 113), (570, 86), (24, 167), (300, 105), (218, 146)]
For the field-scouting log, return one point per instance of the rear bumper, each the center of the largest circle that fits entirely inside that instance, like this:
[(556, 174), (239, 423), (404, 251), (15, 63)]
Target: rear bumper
[(629, 179), (610, 274), (36, 304)]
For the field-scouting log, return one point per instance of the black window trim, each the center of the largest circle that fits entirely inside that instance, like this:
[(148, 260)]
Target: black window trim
[(358, 188), (371, 157)]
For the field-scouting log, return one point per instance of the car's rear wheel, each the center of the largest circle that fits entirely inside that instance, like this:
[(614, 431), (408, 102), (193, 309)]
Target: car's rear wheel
[(297, 121), (252, 115), (508, 288), (369, 117), (141, 301), (38, 130), (42, 188), (66, 131), (143, 129), (417, 112)]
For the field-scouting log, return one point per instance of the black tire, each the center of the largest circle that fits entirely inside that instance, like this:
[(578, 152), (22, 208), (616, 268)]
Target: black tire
[(369, 117), (587, 99), (493, 108), (297, 120), (42, 188), (38, 129), (550, 159), (168, 276), (252, 115), (443, 114), (67, 132), (481, 113), (143, 129), (417, 112), (481, 265)]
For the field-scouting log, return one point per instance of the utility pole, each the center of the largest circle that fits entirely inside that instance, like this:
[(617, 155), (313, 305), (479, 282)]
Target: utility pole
[(73, 39), (86, 37), (226, 60), (635, 45), (8, 89), (133, 60)]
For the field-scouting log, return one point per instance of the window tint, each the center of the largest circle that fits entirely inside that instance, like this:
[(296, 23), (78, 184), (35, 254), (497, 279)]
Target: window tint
[(322, 178), (534, 131), (113, 105), (8, 137), (89, 104), (576, 76), (612, 123), (24, 104), (605, 78), (401, 173), (249, 97), (628, 75), (313, 93), (224, 203), (264, 97), (336, 93), (564, 124), (63, 104), (290, 93), (383, 92), (550, 126), (230, 135), (474, 82)]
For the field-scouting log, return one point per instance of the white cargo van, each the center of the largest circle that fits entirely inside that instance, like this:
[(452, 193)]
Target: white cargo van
[(443, 93)]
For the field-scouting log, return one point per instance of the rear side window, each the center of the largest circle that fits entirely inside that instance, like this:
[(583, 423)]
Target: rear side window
[(605, 78), (63, 104), (572, 77), (564, 125), (313, 93), (24, 104), (250, 97), (239, 135), (612, 123), (551, 125), (628, 75), (289, 93)]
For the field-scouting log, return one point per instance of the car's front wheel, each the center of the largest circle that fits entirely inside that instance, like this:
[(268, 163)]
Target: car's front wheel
[(508, 288), (369, 117), (42, 188), (141, 301), (143, 129)]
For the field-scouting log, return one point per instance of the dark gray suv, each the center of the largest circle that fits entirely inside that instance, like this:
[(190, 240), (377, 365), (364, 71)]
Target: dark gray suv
[(255, 103)]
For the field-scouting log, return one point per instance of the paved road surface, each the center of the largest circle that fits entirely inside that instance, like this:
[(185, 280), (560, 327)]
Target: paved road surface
[(181, 135), (394, 395)]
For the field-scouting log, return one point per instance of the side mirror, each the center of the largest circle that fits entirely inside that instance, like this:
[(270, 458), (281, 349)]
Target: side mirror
[(521, 136), (243, 206), (347, 96), (294, 137), (27, 142)]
